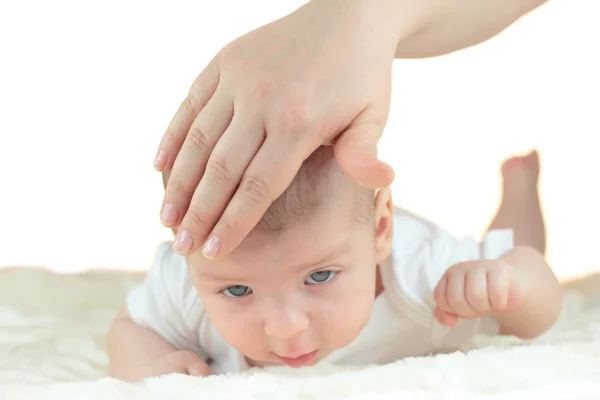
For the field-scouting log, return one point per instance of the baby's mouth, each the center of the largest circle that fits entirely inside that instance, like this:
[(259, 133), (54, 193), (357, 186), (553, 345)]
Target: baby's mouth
[(299, 361)]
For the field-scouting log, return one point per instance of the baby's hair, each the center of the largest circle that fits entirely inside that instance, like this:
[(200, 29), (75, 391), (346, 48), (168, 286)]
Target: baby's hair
[(319, 181)]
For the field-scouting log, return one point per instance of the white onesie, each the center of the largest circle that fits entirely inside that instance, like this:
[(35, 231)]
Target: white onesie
[(401, 323)]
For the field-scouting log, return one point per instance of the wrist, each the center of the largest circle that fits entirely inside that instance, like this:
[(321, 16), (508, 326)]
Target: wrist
[(402, 18), (387, 22)]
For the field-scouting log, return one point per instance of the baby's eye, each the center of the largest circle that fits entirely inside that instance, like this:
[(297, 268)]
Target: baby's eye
[(236, 291), (319, 278)]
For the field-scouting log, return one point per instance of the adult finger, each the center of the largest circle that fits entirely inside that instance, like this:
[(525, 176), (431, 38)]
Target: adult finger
[(198, 96), (191, 162), (356, 153), (226, 166), (268, 175)]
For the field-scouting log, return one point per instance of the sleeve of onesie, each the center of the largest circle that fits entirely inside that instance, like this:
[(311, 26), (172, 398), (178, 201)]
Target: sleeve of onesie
[(167, 301), (421, 254)]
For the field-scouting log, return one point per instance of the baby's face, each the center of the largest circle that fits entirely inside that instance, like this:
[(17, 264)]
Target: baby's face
[(294, 296)]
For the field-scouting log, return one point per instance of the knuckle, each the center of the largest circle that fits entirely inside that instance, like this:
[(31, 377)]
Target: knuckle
[(475, 289), (296, 114), (219, 169), (179, 189), (198, 218), (169, 138), (255, 188), (479, 296), (198, 139), (261, 90), (478, 301), (225, 225), (189, 104), (454, 298)]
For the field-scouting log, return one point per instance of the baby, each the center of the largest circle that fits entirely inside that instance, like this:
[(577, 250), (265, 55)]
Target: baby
[(336, 274)]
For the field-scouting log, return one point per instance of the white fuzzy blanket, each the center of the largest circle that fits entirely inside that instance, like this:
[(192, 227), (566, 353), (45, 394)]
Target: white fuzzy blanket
[(52, 331)]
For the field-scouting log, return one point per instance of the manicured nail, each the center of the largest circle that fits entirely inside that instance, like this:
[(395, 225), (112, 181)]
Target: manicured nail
[(160, 160), (183, 243), (169, 215), (211, 247)]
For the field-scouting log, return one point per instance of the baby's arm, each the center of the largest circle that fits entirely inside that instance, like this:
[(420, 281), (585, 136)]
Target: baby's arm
[(542, 301), (136, 352), (157, 331), (519, 290), (131, 346)]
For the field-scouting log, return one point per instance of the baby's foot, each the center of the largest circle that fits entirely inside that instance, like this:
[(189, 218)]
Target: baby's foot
[(520, 208), (521, 173)]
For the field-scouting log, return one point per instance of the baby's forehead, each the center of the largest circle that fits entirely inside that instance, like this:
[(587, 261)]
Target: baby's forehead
[(289, 251)]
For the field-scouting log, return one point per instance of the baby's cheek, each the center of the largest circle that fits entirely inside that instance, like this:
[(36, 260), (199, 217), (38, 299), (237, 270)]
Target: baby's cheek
[(236, 325), (339, 327)]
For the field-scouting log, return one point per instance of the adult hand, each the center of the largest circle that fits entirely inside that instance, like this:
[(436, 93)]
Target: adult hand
[(267, 100), (264, 104)]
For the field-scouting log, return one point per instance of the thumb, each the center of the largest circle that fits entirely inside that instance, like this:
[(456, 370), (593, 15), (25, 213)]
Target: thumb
[(356, 153), (445, 318)]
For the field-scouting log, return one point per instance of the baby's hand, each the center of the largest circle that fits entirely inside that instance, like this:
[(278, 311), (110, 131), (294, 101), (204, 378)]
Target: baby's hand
[(473, 289), (181, 362)]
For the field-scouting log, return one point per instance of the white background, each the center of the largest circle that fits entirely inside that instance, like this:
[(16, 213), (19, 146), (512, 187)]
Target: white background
[(87, 88)]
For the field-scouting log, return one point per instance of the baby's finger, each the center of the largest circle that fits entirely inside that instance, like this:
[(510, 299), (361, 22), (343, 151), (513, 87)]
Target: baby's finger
[(456, 296), (199, 369), (498, 288), (445, 318), (477, 290), (439, 295)]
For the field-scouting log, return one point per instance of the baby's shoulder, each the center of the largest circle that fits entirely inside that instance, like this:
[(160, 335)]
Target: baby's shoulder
[(411, 232), (172, 270)]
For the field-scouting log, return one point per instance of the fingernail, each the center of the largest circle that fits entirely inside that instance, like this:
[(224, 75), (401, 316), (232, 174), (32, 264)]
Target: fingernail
[(169, 215), (211, 247), (183, 243), (160, 160)]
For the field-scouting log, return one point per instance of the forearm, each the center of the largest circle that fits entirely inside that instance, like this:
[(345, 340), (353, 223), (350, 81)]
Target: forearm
[(542, 297), (453, 25), (131, 346), (429, 28)]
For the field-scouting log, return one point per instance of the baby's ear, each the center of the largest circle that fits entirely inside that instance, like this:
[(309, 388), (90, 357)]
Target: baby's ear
[(384, 221)]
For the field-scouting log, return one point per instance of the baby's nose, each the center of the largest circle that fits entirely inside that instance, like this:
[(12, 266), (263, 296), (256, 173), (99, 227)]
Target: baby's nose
[(286, 322)]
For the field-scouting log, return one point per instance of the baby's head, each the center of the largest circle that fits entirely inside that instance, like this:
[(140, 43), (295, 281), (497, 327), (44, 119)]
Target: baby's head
[(303, 281)]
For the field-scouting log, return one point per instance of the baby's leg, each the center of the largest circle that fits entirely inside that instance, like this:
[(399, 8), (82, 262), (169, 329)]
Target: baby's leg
[(520, 208)]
